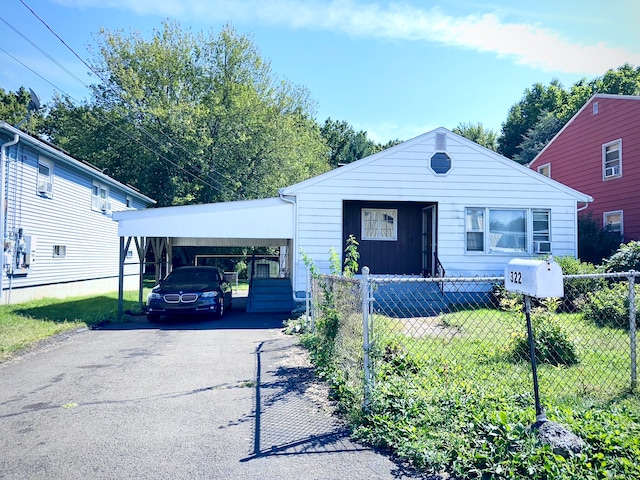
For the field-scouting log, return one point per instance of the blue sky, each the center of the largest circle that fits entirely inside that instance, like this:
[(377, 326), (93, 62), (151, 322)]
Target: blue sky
[(393, 69)]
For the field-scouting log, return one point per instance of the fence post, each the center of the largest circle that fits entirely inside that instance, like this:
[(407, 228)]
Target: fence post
[(632, 327), (364, 290), (307, 298)]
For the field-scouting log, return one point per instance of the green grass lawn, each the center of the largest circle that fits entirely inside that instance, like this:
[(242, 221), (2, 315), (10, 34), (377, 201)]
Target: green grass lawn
[(448, 396), (23, 324)]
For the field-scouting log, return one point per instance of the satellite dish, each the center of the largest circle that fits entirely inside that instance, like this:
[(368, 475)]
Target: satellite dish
[(35, 103)]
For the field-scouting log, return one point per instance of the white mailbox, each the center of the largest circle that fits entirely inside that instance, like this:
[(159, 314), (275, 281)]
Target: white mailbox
[(536, 278)]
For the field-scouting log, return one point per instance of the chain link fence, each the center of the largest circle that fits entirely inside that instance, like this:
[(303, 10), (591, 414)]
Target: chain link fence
[(469, 335)]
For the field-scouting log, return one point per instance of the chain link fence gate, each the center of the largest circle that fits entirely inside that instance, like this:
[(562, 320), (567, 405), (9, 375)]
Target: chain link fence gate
[(466, 337)]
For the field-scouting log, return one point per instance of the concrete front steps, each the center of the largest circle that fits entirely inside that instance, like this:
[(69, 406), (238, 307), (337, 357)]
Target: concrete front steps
[(270, 295)]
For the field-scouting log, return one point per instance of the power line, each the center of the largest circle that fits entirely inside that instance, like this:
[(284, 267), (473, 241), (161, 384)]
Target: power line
[(105, 119), (109, 86)]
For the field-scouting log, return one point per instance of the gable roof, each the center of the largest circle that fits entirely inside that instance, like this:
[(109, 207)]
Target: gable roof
[(469, 144), (579, 112), (51, 151)]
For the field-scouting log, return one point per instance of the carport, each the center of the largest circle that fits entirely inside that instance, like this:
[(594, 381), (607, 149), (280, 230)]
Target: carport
[(251, 223)]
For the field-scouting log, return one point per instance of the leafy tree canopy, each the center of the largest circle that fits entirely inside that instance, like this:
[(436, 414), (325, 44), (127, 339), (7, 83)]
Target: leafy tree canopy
[(477, 133), (192, 118), (522, 138)]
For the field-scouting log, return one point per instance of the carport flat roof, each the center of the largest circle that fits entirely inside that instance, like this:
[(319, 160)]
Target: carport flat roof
[(269, 220)]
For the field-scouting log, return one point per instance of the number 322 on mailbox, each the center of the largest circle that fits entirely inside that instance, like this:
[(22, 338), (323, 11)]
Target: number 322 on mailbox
[(536, 278)]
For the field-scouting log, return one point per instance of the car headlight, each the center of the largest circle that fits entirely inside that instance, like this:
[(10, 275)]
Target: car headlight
[(213, 294), (154, 296)]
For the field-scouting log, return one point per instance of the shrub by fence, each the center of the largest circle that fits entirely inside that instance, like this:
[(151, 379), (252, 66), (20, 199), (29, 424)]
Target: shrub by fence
[(438, 370)]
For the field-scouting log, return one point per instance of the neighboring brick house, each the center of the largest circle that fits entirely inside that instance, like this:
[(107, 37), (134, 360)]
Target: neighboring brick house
[(598, 153)]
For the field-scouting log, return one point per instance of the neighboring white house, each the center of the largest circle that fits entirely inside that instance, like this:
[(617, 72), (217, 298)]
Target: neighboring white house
[(436, 203), (59, 238)]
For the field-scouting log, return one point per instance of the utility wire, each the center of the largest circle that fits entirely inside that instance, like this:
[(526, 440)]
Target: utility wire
[(109, 86), (105, 119)]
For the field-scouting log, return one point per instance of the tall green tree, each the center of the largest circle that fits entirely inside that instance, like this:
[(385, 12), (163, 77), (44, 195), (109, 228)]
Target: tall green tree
[(477, 133), (345, 144), (552, 106), (537, 137), (524, 114), (14, 111), (192, 118)]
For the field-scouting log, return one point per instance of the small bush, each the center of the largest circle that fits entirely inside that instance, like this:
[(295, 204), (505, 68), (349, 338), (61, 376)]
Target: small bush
[(626, 258), (609, 307), (551, 341), (576, 289)]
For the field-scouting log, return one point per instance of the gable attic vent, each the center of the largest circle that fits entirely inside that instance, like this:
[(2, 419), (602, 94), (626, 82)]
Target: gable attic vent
[(595, 108), (441, 141)]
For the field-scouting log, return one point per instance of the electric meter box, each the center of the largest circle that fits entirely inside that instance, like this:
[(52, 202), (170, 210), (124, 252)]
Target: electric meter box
[(536, 278)]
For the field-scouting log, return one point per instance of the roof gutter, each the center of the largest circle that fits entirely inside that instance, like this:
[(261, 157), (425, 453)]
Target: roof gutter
[(3, 148)]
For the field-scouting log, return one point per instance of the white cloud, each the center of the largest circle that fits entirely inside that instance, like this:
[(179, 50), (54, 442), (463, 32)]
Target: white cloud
[(526, 44)]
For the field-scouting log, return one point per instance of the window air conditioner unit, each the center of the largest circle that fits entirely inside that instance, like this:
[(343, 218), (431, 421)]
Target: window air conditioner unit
[(44, 187), (542, 247), (611, 172)]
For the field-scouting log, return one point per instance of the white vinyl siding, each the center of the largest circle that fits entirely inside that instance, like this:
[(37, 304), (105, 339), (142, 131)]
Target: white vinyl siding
[(71, 244), (401, 173)]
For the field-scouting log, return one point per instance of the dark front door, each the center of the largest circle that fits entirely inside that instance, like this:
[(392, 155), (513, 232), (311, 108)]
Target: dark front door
[(390, 235), (428, 242)]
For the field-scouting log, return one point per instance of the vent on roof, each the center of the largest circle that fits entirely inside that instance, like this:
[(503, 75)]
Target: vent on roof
[(595, 108), (441, 141)]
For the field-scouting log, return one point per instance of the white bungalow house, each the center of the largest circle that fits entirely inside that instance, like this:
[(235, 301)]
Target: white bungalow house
[(436, 204), (59, 238)]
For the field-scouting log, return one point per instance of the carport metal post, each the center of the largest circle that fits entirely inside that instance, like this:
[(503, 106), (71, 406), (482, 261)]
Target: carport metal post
[(121, 279)]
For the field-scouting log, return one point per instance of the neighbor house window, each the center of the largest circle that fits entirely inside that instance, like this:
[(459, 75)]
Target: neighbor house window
[(379, 224), (612, 160), (59, 250), (545, 170), (100, 198), (45, 178), (613, 221)]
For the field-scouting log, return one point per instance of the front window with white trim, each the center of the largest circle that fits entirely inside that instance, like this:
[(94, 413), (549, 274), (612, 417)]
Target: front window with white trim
[(613, 221), (100, 198), (612, 160), (45, 178), (379, 224), (502, 230)]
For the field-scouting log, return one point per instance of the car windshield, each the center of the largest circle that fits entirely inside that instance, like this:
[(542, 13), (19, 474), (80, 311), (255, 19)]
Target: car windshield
[(192, 276)]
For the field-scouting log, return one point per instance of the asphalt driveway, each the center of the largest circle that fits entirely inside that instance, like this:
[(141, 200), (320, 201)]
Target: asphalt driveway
[(227, 399)]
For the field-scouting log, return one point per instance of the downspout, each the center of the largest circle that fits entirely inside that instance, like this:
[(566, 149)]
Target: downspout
[(294, 246), (16, 139)]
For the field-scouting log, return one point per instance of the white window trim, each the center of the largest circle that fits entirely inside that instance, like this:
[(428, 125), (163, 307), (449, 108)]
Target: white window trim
[(44, 185), (363, 235), (99, 204), (611, 213), (486, 233), (606, 177), (548, 167), (59, 251), (450, 162)]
